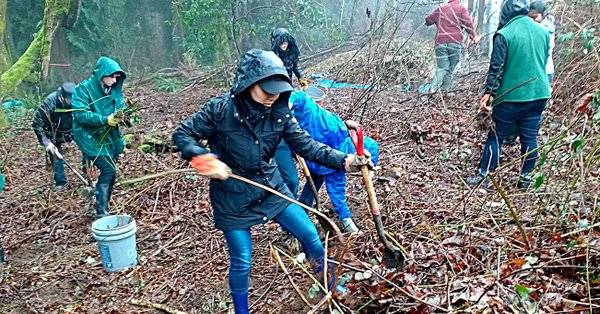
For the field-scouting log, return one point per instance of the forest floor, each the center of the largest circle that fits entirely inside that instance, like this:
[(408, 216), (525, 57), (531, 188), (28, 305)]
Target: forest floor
[(465, 252)]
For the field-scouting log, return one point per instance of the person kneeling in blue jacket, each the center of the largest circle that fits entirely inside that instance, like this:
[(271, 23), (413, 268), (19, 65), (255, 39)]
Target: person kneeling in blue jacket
[(329, 129)]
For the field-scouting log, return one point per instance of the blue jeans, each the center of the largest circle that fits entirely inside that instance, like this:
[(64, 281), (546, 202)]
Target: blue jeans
[(106, 180), (239, 244), (527, 116), (59, 168), (287, 168)]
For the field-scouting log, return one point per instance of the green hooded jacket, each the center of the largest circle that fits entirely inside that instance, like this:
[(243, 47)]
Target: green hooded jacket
[(91, 108)]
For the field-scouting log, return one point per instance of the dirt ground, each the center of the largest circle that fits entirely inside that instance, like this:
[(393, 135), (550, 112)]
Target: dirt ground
[(464, 251)]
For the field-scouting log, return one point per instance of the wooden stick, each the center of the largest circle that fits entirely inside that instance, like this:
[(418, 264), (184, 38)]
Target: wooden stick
[(337, 231), (511, 210), (318, 305), (275, 254), (157, 306), (289, 199), (315, 280), (167, 244), (580, 230)]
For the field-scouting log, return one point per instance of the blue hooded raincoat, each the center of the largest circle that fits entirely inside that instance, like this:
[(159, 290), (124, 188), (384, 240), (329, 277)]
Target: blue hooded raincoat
[(329, 129)]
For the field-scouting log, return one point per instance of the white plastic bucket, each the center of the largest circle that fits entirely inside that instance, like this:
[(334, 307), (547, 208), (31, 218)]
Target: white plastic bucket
[(115, 236)]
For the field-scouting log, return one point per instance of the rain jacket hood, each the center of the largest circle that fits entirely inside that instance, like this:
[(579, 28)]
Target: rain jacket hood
[(254, 66), (278, 37), (511, 9), (106, 67)]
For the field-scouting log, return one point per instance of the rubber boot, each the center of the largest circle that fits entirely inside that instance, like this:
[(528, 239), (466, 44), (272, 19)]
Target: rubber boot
[(240, 302), (524, 182), (102, 192)]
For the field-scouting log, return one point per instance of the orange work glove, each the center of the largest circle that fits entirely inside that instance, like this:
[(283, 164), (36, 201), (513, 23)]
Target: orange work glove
[(208, 165)]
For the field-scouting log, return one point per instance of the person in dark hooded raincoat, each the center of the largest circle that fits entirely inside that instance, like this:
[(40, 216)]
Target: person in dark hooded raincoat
[(516, 89), (96, 103), (52, 124), (285, 47), (243, 128)]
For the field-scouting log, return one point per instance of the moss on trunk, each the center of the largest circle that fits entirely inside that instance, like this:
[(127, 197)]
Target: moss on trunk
[(3, 120), (4, 57), (37, 55)]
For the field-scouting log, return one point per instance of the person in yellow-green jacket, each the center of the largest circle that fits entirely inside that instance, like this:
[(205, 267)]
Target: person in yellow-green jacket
[(96, 104)]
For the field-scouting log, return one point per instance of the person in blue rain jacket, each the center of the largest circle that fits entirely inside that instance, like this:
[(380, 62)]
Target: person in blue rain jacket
[(329, 129)]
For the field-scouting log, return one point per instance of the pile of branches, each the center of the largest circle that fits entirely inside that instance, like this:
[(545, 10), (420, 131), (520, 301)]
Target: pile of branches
[(398, 63)]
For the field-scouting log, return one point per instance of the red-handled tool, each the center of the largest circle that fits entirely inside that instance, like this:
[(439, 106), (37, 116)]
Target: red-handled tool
[(392, 256)]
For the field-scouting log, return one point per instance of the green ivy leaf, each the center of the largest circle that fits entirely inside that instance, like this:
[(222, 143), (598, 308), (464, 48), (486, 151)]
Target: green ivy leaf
[(566, 37), (444, 155), (539, 181), (577, 144), (542, 159), (522, 291)]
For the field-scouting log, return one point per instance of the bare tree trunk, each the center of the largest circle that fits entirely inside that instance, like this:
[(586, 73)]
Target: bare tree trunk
[(39, 49), (178, 33), (54, 11), (4, 57), (480, 16), (234, 38), (349, 29)]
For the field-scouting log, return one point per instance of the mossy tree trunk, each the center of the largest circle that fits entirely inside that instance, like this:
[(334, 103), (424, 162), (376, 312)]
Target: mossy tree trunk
[(37, 56), (4, 58)]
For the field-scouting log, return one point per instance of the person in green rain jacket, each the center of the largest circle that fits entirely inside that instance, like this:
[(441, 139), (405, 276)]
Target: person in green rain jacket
[(96, 102)]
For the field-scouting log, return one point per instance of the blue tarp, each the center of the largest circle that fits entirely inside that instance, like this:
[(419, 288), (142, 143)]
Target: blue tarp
[(323, 82), (327, 83), (12, 104), (2, 182)]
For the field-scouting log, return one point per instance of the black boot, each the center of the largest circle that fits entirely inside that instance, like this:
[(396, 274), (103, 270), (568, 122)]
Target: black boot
[(102, 196), (524, 182)]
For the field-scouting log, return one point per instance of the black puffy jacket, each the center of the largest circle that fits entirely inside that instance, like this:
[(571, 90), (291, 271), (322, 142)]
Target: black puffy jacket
[(52, 124), (291, 56), (248, 146)]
